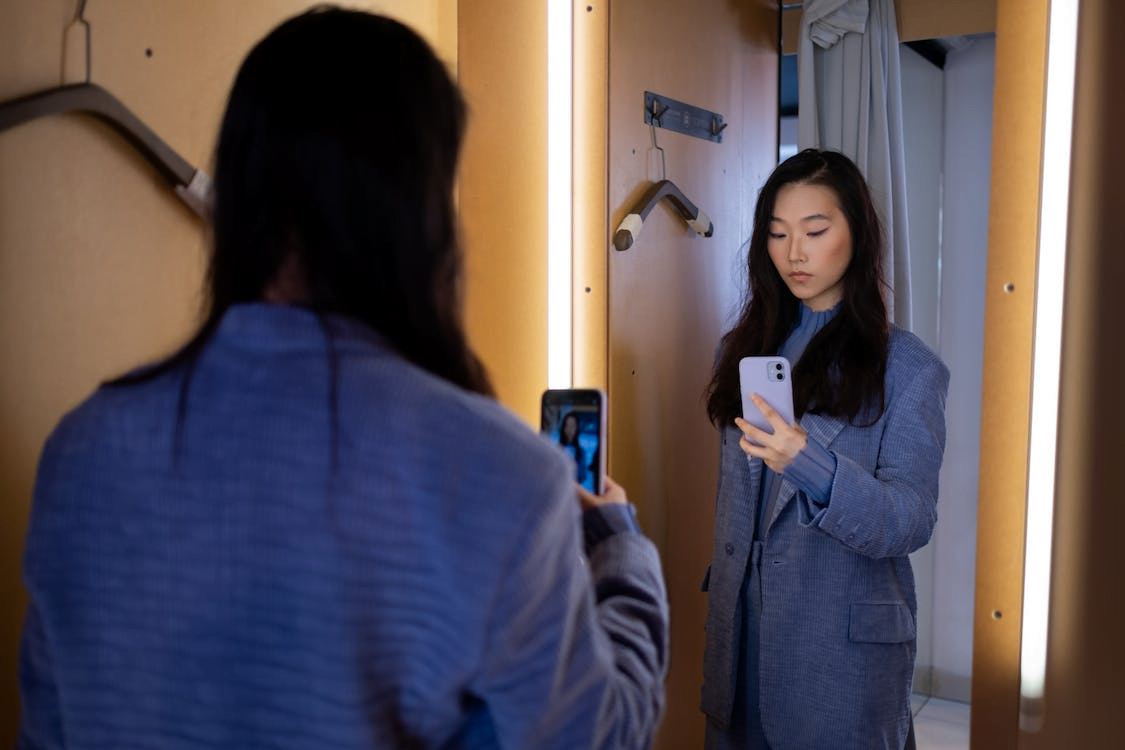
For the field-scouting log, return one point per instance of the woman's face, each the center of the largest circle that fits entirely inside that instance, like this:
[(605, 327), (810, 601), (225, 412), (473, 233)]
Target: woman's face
[(570, 429), (810, 243)]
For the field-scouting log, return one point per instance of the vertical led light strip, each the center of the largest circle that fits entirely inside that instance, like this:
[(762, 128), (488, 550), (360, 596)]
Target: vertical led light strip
[(1054, 198), (560, 107)]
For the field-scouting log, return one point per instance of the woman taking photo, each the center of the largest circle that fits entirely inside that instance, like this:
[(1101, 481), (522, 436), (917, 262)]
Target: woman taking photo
[(811, 608), (279, 536)]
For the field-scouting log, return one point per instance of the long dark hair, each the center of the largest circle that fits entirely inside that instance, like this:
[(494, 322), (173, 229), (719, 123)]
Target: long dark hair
[(338, 151), (842, 370), (562, 430)]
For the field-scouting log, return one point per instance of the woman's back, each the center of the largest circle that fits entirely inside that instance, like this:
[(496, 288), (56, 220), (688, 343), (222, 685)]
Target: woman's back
[(288, 577)]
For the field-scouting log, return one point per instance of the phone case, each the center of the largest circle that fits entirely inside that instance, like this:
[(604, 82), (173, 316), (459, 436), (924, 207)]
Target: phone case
[(769, 377), (585, 442)]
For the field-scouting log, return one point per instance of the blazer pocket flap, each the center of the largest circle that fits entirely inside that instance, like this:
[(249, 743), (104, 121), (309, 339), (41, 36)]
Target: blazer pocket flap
[(881, 622)]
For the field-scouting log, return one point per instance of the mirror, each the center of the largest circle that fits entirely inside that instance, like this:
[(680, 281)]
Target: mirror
[(947, 121)]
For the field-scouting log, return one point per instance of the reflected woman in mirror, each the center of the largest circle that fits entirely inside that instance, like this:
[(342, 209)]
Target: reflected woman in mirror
[(811, 632), (568, 439)]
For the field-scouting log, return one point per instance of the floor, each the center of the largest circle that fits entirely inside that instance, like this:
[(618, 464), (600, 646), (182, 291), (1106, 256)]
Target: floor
[(940, 724)]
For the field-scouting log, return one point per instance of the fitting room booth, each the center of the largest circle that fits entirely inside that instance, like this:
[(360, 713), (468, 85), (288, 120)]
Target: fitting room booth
[(101, 263)]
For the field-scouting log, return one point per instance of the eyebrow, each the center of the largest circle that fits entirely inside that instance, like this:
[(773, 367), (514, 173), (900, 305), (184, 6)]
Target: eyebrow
[(810, 217)]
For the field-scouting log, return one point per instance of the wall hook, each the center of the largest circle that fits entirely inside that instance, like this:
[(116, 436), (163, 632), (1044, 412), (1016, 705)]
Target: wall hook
[(80, 19), (679, 117)]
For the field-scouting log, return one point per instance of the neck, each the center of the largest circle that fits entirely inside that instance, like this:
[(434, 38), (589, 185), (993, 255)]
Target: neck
[(288, 285)]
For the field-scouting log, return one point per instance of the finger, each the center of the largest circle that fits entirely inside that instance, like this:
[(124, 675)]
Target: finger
[(752, 449), (768, 411), (586, 499), (753, 432), (613, 492)]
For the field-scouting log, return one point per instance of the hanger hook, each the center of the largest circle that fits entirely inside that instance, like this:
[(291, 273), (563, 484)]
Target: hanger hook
[(80, 18), (663, 166), (655, 119)]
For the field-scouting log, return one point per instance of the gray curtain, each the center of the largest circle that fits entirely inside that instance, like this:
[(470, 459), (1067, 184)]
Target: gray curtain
[(850, 100)]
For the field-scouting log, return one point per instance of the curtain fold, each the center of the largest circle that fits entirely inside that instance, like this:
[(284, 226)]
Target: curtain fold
[(850, 100)]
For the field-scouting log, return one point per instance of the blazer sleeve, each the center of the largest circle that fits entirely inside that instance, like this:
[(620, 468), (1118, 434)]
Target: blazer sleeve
[(578, 651), (40, 724), (40, 709), (892, 512)]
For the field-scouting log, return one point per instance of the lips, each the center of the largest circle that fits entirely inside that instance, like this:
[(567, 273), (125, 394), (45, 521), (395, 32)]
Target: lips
[(800, 276)]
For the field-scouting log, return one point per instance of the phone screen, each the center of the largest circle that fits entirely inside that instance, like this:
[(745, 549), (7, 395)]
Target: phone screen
[(574, 419)]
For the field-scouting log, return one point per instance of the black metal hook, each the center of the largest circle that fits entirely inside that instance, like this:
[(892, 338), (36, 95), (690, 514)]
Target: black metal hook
[(80, 18)]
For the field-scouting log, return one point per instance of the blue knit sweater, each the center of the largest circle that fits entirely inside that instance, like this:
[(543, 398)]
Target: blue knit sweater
[(410, 573)]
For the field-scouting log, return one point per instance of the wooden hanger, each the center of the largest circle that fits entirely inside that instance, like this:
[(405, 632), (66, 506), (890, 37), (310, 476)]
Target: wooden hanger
[(630, 228), (192, 185)]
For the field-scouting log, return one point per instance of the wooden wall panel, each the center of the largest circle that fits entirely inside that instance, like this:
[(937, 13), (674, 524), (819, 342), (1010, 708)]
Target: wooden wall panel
[(1017, 133), (1084, 691), (99, 263), (674, 293), (933, 19), (502, 59), (591, 211)]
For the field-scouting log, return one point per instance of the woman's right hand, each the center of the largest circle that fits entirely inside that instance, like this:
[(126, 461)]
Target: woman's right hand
[(612, 493)]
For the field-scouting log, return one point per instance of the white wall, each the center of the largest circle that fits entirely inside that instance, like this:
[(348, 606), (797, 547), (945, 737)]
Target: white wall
[(969, 76), (947, 116), (922, 114), (787, 137)]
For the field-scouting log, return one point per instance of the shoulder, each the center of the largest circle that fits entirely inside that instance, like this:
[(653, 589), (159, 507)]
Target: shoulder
[(91, 439), (395, 399), (907, 352), (911, 361), (116, 415)]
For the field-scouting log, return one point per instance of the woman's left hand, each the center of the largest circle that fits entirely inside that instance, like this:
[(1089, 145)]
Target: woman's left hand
[(777, 449)]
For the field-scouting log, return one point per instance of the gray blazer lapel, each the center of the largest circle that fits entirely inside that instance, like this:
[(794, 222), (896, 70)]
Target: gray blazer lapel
[(819, 428), (785, 493), (748, 516), (822, 429), (739, 472)]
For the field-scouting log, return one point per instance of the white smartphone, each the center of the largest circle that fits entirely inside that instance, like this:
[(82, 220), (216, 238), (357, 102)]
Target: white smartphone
[(769, 377), (575, 418)]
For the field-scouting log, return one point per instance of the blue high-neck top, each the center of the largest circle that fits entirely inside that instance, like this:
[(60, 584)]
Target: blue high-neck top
[(809, 323)]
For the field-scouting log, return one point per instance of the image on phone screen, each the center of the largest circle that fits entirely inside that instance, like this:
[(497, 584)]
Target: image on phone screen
[(573, 420)]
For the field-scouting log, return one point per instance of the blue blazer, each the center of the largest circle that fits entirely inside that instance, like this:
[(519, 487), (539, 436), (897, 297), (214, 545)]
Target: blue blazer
[(837, 636), (399, 564)]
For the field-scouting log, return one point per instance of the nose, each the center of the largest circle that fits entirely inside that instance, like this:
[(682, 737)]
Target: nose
[(796, 253)]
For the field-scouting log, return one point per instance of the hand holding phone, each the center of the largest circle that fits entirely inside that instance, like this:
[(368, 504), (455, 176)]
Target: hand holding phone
[(613, 494), (575, 418)]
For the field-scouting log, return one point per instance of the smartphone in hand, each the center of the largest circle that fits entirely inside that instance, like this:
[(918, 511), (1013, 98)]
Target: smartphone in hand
[(575, 418), (769, 377)]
